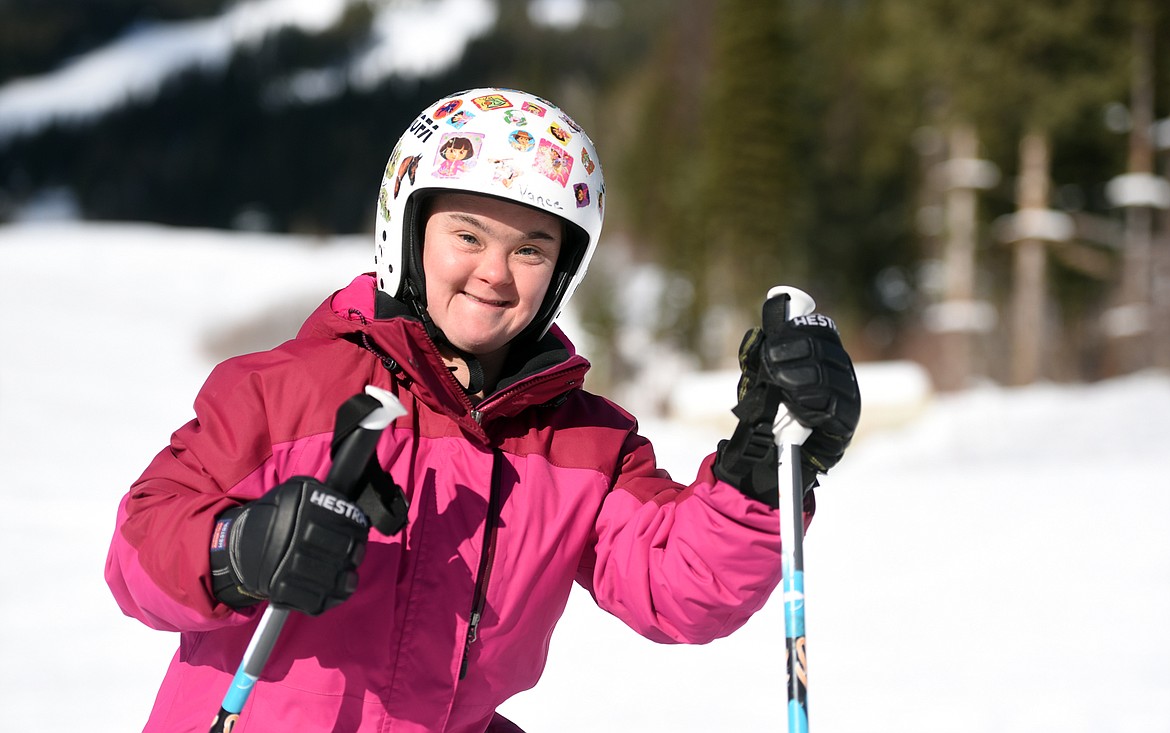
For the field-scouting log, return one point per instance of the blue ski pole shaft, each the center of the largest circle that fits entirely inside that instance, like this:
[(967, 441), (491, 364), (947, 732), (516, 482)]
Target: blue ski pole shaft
[(789, 436), (350, 458), (255, 657)]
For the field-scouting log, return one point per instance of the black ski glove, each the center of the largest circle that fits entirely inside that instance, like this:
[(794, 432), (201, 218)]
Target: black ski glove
[(299, 546), (801, 363)]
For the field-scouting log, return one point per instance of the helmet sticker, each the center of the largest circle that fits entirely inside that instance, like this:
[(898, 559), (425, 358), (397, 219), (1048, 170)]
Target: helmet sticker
[(460, 118), (554, 162), (581, 194), (569, 121), (562, 135), (587, 162), (491, 101), (535, 109), (383, 203), (448, 108), (512, 117), (395, 156), (522, 140), (408, 169), (456, 154), (505, 172)]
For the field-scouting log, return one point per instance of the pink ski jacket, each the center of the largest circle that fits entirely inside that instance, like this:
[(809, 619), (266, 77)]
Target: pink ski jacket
[(540, 484)]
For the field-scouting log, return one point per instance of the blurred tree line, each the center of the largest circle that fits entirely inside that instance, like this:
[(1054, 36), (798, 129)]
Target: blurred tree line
[(938, 173)]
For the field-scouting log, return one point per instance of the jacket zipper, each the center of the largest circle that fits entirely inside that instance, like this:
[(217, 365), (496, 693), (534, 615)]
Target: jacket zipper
[(571, 376), (479, 597)]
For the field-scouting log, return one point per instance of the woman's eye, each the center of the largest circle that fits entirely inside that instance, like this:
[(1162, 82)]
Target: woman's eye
[(531, 252)]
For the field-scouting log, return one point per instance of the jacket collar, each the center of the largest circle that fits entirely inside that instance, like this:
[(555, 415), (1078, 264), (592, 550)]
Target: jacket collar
[(543, 373)]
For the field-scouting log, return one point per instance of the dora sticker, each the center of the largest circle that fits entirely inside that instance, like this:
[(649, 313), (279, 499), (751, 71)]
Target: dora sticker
[(488, 102), (457, 153), (521, 140), (553, 161)]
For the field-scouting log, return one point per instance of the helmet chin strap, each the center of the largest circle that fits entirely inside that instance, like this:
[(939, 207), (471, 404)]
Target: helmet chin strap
[(475, 374)]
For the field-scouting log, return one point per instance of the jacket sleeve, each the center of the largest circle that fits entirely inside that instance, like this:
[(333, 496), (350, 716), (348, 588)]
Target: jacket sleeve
[(680, 564), (158, 566)]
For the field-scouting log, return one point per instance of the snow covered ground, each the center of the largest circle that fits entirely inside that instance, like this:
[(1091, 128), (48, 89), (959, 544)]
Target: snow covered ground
[(999, 563)]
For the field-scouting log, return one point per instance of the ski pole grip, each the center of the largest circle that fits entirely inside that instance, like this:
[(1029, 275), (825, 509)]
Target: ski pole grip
[(784, 303), (354, 444)]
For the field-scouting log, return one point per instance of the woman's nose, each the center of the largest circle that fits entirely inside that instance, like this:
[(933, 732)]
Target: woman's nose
[(493, 267)]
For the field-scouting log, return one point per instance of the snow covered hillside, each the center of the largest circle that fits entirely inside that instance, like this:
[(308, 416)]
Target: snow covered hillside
[(999, 563), (410, 38)]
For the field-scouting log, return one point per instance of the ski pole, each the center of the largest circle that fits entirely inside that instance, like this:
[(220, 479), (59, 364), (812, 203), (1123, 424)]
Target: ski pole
[(782, 304), (352, 448)]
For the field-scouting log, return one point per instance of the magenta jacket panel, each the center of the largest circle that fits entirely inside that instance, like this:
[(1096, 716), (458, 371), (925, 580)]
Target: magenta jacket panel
[(540, 485)]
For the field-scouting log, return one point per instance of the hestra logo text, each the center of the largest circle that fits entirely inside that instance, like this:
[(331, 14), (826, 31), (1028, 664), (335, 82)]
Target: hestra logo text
[(814, 319), (339, 506)]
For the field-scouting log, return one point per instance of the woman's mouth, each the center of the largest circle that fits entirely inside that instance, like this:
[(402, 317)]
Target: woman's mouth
[(488, 301)]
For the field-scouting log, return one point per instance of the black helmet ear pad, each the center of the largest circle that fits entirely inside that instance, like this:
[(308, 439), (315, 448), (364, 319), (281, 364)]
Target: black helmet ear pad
[(414, 222)]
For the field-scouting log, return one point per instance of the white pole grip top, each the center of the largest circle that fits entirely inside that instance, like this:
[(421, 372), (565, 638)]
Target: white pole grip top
[(381, 417), (800, 303)]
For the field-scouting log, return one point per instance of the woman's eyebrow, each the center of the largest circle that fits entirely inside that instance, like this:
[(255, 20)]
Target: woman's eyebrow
[(475, 222)]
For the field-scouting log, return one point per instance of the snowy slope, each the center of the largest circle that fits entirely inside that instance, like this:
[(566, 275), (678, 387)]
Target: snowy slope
[(1001, 563)]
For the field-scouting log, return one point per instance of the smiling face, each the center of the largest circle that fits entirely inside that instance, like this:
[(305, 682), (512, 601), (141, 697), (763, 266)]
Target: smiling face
[(488, 265)]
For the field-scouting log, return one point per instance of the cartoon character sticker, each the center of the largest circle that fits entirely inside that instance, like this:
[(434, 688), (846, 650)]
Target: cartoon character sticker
[(521, 140), (384, 203), (587, 161), (553, 161), (489, 102), (581, 194), (569, 121), (457, 153), (562, 135), (448, 108), (460, 118), (505, 172), (512, 117), (535, 109)]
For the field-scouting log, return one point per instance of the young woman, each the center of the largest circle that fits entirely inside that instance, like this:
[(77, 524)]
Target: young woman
[(519, 481)]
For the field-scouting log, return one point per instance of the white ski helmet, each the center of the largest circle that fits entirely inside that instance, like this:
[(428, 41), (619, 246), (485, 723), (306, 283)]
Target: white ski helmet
[(503, 143)]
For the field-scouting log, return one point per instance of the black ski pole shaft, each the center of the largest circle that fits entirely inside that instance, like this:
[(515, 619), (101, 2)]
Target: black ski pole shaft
[(352, 450)]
